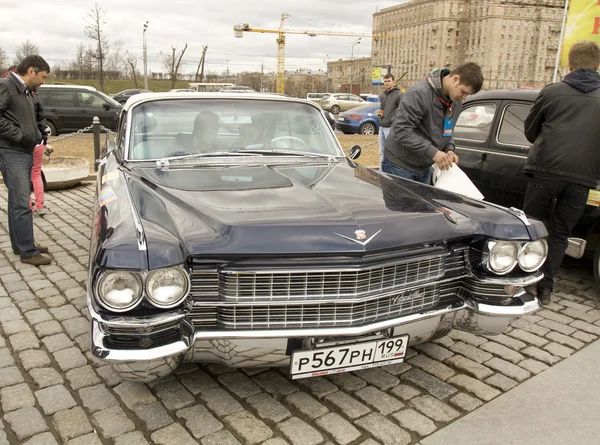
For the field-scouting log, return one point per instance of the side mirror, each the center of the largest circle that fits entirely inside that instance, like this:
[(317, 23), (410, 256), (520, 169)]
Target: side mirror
[(355, 152), (106, 106)]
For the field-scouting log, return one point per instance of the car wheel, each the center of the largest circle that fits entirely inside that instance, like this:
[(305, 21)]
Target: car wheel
[(335, 109), (50, 129), (367, 128), (597, 265)]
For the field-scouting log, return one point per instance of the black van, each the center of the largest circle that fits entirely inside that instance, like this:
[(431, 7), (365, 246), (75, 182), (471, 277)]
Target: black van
[(72, 107)]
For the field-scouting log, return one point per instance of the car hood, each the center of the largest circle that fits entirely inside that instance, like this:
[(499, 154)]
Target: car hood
[(295, 210)]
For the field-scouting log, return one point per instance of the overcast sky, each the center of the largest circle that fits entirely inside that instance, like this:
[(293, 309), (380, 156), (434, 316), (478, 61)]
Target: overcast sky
[(57, 28)]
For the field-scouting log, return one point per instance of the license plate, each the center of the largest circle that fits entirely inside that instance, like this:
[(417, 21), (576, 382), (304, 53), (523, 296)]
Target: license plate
[(341, 119), (351, 357)]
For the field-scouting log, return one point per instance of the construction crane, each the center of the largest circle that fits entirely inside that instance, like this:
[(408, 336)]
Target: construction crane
[(240, 28)]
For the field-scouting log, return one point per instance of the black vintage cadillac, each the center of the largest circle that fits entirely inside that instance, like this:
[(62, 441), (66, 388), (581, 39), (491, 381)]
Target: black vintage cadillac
[(231, 228)]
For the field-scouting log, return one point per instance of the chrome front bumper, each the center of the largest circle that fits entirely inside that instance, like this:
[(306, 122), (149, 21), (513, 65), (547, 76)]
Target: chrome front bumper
[(269, 348)]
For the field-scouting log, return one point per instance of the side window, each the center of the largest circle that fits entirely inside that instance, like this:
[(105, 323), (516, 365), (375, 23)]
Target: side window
[(61, 99), (475, 122), (91, 100), (511, 127)]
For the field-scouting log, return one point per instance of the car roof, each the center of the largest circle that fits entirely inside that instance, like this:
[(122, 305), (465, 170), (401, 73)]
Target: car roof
[(145, 97), (520, 94), (85, 87)]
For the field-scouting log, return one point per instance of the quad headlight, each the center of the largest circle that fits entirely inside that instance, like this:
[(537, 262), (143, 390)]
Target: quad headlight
[(119, 291), (532, 255), (501, 257), (166, 288)]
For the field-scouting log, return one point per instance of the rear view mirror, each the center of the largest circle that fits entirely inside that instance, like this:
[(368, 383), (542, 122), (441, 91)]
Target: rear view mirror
[(355, 152)]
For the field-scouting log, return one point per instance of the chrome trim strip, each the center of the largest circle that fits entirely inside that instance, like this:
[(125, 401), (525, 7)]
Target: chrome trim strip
[(140, 235), (487, 151), (508, 281), (527, 307), (141, 322)]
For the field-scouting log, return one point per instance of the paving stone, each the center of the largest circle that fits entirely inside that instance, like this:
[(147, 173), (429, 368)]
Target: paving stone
[(57, 342), (405, 392), (432, 367), (10, 376), (248, 427), (54, 398), (36, 285), (172, 435), (509, 342), (197, 381), (586, 327), (347, 381), (350, 407), (70, 358), (135, 438), (37, 316), (274, 384), (318, 386), (503, 352), (65, 312), (275, 441), (199, 421), (15, 327), (39, 439), (174, 395), (434, 409), (558, 350), (475, 387), (508, 369), (34, 358), (47, 328), (81, 377), (584, 337), (559, 327), (269, 409), (23, 341), (467, 337), (378, 378), (154, 415), (239, 384), (71, 423), (56, 301), (384, 430), (298, 432), (434, 351), (397, 368), (411, 420), (221, 438), (379, 400), (133, 394), (471, 352), (112, 422), (26, 422), (465, 402), (533, 366), (29, 305), (6, 358), (590, 316), (96, 398), (306, 405), (554, 316), (429, 383), (527, 326), (444, 342), (342, 431), (109, 376), (76, 326), (16, 397), (220, 402), (501, 382), (540, 355), (565, 340), (469, 367), (10, 314)]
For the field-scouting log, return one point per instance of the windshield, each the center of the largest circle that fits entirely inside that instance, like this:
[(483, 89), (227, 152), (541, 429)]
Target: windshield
[(170, 128)]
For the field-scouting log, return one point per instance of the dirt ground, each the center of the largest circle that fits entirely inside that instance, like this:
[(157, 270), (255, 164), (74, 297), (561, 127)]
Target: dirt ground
[(83, 146)]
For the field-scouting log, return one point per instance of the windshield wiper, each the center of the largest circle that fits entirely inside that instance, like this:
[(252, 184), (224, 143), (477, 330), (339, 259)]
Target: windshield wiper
[(165, 161), (283, 151)]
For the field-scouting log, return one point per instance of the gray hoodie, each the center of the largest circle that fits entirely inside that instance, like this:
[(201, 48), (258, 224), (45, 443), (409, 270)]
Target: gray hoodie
[(389, 103), (417, 131)]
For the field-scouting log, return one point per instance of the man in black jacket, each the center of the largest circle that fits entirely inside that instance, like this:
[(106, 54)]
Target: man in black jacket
[(19, 134), (389, 100), (564, 160)]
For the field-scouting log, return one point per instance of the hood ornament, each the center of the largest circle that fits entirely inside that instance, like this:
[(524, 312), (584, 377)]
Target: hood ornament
[(360, 235)]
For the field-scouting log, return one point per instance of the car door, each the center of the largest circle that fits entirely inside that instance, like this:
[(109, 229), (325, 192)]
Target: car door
[(61, 104), (507, 154), (473, 133), (92, 104)]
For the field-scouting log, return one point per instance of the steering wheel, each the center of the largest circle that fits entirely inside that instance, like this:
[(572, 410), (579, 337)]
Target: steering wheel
[(280, 138)]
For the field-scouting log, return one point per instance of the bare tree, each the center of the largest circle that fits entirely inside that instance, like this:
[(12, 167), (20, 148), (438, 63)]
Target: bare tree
[(94, 20), (115, 60), (171, 63), (3, 60), (25, 49), (131, 60), (201, 64)]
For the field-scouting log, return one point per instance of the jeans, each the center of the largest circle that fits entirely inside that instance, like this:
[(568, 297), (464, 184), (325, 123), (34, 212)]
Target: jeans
[(388, 167), (36, 177), (560, 219), (16, 172), (383, 134)]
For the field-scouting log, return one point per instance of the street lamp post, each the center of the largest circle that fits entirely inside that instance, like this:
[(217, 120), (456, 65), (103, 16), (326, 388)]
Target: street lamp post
[(352, 61), (145, 58)]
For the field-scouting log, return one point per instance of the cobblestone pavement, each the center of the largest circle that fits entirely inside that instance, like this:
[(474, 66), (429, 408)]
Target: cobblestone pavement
[(53, 391)]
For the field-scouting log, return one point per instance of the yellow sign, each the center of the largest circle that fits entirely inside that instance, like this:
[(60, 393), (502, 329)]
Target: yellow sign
[(594, 198), (583, 23), (376, 77)]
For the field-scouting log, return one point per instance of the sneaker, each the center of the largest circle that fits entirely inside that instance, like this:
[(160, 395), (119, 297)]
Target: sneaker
[(39, 212), (37, 260), (42, 249), (544, 294)]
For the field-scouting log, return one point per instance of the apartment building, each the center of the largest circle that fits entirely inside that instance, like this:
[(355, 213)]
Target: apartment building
[(357, 72)]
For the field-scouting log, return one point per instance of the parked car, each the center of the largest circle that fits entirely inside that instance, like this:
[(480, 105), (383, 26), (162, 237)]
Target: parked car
[(316, 97), (340, 102), (122, 96), (182, 90), (362, 119), (277, 250), (493, 149), (237, 89), (73, 107)]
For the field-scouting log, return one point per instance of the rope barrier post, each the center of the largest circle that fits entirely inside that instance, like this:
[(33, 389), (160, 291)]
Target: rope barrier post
[(96, 129)]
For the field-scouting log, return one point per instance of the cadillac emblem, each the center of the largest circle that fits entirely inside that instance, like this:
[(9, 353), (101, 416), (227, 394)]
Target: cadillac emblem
[(360, 234)]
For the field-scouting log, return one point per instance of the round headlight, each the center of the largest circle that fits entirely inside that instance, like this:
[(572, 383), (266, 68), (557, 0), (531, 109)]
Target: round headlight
[(533, 255), (166, 288), (119, 291), (502, 256)]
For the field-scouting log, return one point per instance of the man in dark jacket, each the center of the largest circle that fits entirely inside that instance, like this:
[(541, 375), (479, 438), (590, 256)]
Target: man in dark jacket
[(421, 133), (388, 100), (564, 160), (19, 134)]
